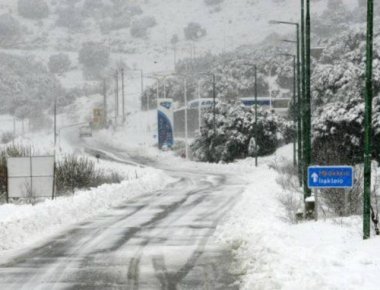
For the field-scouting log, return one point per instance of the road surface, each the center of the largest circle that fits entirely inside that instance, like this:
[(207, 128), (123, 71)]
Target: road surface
[(157, 241)]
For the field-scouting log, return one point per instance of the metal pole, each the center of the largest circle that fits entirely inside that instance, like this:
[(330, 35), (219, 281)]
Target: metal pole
[(116, 96), (294, 112), (186, 125), (142, 86), (105, 103), (157, 92), (199, 106), (14, 130), (368, 127), (164, 88), (306, 92), (55, 123), (299, 109), (122, 95), (256, 124), (214, 100)]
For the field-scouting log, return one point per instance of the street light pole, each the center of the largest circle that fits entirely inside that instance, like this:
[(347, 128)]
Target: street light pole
[(55, 123), (123, 95), (199, 105), (213, 102), (186, 125), (116, 96), (307, 102), (299, 100), (294, 111), (105, 102), (368, 124), (256, 118), (299, 106)]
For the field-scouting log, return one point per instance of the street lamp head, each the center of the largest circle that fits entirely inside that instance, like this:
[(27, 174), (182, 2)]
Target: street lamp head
[(288, 40), (283, 22)]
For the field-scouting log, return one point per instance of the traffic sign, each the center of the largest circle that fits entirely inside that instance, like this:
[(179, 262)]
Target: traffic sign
[(330, 176)]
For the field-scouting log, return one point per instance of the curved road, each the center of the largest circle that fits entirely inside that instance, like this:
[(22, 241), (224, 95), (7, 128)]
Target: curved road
[(157, 241)]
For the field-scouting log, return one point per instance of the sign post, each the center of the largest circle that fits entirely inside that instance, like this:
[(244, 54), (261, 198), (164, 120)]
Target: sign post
[(319, 177)]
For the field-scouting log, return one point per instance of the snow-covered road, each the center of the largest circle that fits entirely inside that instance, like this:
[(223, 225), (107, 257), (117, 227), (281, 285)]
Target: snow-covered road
[(159, 240)]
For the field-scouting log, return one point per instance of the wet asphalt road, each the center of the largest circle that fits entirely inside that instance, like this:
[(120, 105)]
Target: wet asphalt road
[(160, 240)]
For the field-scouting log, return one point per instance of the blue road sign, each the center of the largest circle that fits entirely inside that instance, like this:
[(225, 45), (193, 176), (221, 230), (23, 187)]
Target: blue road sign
[(330, 177)]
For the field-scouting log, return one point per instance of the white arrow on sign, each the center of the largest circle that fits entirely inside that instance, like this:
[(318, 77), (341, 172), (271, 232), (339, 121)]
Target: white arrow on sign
[(314, 176)]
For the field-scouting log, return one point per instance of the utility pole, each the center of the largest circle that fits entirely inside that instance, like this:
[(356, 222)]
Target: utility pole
[(213, 103), (307, 95), (116, 96), (14, 131), (199, 105), (55, 123), (299, 109), (123, 95), (105, 103), (256, 125), (186, 120), (368, 124), (142, 86), (295, 111)]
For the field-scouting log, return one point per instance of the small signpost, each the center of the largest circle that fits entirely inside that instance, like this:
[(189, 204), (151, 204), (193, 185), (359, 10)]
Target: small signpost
[(323, 177)]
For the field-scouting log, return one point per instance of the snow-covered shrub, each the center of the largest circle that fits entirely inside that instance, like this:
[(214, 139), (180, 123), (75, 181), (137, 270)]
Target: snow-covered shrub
[(94, 57), (194, 31), (338, 133), (33, 9), (213, 2), (71, 18), (340, 73), (139, 28), (235, 135), (79, 172), (59, 63), (10, 30), (287, 131)]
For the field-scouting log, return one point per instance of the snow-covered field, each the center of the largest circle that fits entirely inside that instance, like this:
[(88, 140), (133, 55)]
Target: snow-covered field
[(275, 254)]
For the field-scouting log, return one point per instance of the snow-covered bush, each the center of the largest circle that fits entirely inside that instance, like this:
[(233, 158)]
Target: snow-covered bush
[(139, 28), (94, 57), (339, 74), (33, 9), (10, 30), (235, 135), (338, 133), (59, 63), (71, 18), (78, 172), (194, 31), (213, 2)]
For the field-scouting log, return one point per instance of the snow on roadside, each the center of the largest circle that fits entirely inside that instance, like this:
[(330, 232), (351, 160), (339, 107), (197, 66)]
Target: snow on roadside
[(22, 225), (274, 254)]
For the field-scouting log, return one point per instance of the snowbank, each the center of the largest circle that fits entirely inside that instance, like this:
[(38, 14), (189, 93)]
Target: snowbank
[(22, 225), (328, 254)]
